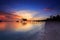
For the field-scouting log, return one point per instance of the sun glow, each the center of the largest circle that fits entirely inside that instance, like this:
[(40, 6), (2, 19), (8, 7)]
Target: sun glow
[(25, 14)]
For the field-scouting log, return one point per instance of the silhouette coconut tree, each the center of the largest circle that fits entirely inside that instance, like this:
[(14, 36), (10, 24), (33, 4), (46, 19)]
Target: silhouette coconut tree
[(54, 18)]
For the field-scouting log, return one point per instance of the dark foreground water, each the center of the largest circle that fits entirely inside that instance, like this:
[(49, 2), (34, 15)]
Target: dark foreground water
[(30, 31)]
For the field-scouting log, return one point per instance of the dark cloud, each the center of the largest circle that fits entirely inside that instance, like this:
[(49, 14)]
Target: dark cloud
[(48, 9)]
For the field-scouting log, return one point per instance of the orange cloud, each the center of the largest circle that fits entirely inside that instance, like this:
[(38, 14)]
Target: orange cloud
[(6, 16), (2, 17)]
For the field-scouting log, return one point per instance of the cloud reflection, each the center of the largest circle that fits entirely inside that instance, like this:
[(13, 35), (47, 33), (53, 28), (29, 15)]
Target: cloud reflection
[(17, 26)]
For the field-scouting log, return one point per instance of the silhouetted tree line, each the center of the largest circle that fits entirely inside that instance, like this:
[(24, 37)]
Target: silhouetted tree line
[(54, 18)]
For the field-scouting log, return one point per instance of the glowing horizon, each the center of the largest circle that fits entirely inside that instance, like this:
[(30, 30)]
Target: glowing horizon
[(27, 14)]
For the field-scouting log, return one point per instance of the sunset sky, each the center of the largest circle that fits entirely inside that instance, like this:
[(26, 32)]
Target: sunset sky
[(36, 8)]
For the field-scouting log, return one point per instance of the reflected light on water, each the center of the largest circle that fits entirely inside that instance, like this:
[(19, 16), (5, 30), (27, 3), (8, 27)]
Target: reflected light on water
[(2, 26), (22, 26), (17, 26)]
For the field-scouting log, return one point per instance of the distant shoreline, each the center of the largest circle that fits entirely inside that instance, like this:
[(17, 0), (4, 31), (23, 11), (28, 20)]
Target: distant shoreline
[(34, 21)]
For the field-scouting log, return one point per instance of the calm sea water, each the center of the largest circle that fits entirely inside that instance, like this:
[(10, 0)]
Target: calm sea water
[(30, 31)]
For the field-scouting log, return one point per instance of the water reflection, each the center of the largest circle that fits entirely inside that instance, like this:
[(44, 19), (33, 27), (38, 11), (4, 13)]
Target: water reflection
[(30, 31), (17, 26), (2, 26), (22, 31)]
